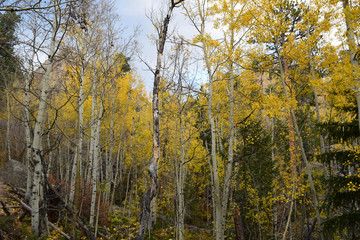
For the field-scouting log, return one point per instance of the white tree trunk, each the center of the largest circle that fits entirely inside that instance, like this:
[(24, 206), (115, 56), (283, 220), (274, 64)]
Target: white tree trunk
[(218, 218), (219, 198), (93, 151), (229, 167), (119, 155), (152, 170), (96, 162), (50, 158), (117, 172), (78, 155), (37, 188), (28, 141), (354, 57), (179, 164), (216, 195), (93, 131), (180, 182), (110, 161)]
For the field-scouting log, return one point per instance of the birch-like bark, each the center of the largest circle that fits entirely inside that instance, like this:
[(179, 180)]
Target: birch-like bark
[(152, 191), (37, 188), (181, 187), (229, 167), (77, 158), (218, 218), (179, 164), (76, 171), (119, 157), (93, 130), (95, 168), (117, 172), (219, 198), (130, 169), (50, 157), (97, 214), (212, 188), (177, 177), (28, 141), (354, 54), (110, 161), (95, 171), (216, 195), (230, 162)]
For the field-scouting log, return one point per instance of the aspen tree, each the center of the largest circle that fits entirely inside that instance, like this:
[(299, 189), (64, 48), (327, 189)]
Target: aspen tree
[(202, 14), (230, 15), (105, 68), (28, 140), (278, 25), (78, 154), (38, 178), (349, 8), (179, 64), (302, 149), (98, 114), (152, 191), (315, 28)]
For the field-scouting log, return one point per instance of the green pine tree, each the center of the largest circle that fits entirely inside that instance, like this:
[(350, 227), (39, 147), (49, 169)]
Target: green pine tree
[(8, 61), (342, 159)]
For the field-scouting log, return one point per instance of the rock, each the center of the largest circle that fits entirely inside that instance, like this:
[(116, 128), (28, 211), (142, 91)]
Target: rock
[(2, 191), (115, 208), (14, 173)]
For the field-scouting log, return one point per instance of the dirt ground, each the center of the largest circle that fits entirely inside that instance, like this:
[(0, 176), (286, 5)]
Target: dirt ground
[(2, 189)]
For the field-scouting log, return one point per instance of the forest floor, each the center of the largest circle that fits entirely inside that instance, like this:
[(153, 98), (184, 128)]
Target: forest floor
[(11, 215), (15, 223), (2, 189)]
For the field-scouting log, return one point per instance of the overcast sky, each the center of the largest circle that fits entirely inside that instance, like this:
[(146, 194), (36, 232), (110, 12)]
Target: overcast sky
[(133, 13)]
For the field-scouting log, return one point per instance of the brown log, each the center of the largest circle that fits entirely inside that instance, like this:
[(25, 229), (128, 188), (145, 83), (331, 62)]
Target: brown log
[(5, 208), (79, 221), (61, 232), (28, 209)]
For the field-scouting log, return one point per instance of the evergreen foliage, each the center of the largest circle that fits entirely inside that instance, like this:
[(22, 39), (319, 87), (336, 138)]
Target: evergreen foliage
[(8, 60), (343, 162)]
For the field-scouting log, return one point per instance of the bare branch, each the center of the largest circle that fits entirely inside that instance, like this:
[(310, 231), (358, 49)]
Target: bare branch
[(10, 8)]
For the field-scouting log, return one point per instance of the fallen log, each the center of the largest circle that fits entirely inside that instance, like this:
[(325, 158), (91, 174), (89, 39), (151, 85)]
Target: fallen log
[(28, 208), (80, 223), (79, 220), (61, 232), (5, 208)]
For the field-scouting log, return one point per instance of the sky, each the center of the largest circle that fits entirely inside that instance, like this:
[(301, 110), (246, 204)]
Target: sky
[(134, 13)]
